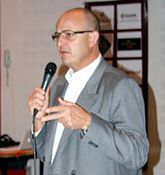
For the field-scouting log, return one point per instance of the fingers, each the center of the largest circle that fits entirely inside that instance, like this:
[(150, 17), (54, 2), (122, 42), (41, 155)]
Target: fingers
[(66, 121), (51, 116), (37, 99), (64, 102), (69, 114)]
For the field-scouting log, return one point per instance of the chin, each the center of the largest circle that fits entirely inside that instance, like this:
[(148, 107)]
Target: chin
[(66, 61)]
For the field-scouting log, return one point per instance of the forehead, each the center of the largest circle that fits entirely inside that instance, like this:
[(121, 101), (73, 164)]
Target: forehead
[(71, 20)]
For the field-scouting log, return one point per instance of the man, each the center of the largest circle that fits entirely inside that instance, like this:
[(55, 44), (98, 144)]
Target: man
[(94, 123)]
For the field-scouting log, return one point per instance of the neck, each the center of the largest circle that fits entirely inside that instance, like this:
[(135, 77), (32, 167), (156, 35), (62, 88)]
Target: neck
[(89, 60)]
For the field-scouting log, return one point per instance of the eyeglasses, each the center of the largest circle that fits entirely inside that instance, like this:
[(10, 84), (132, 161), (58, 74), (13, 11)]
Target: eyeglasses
[(68, 34)]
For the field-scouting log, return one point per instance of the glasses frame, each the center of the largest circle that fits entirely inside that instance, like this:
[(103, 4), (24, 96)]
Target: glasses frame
[(56, 35)]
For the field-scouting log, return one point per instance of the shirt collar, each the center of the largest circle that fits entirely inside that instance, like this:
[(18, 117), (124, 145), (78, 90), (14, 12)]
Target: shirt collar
[(84, 73)]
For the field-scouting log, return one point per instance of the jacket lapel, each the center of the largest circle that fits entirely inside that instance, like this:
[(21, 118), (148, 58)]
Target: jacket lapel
[(90, 93), (60, 91)]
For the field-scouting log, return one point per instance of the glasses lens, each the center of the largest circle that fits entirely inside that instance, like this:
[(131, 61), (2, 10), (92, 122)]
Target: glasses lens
[(69, 35)]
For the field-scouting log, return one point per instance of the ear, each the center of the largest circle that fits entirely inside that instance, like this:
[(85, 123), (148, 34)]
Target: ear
[(93, 38)]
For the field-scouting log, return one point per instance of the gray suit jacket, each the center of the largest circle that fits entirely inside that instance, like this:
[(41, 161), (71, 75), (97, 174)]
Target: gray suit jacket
[(116, 141)]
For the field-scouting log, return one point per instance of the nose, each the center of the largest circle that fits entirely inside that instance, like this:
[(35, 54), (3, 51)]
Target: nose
[(60, 41)]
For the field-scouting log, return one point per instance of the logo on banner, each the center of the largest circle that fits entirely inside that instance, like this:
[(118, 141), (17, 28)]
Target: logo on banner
[(128, 17)]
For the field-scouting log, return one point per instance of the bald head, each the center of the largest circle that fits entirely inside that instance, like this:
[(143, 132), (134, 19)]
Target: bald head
[(84, 16)]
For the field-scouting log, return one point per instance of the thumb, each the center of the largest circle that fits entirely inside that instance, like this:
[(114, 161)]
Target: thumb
[(64, 102), (47, 93)]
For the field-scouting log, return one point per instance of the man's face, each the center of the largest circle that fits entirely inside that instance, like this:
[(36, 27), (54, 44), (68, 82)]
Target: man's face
[(74, 50)]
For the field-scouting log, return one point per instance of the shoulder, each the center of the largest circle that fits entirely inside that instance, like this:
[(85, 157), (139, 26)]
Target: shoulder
[(113, 77)]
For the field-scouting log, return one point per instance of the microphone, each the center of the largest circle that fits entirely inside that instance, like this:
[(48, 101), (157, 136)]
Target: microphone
[(50, 70)]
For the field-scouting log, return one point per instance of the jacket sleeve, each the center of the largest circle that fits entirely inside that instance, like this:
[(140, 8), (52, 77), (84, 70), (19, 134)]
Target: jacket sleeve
[(122, 138)]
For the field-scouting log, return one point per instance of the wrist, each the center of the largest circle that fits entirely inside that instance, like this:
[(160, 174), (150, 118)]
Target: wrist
[(38, 124), (87, 123)]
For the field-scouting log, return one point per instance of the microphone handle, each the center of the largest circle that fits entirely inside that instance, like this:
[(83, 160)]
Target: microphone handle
[(45, 83), (46, 80), (35, 111)]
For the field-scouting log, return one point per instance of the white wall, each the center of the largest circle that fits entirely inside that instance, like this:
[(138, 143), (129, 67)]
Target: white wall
[(26, 28)]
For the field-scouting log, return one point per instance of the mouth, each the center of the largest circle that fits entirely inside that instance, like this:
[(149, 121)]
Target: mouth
[(64, 52)]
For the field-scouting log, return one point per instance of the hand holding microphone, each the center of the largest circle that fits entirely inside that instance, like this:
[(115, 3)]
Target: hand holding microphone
[(38, 100)]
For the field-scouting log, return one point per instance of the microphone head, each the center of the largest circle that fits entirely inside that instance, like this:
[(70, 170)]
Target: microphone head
[(50, 68)]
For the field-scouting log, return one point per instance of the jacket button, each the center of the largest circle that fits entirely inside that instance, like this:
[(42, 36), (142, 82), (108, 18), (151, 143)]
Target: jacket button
[(93, 144), (90, 143), (73, 172)]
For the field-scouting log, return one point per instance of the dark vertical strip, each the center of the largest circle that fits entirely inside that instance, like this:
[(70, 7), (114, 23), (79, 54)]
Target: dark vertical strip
[(145, 55), (0, 68)]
